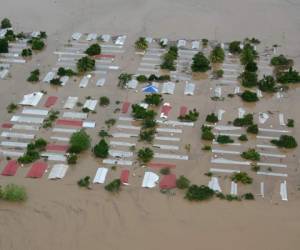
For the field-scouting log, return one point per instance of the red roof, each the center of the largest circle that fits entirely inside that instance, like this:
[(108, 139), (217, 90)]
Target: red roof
[(166, 109), (104, 56), (7, 125), (72, 123), (168, 181), (37, 169), (51, 100), (56, 147), (125, 107), (11, 168), (183, 110), (124, 176), (161, 165)]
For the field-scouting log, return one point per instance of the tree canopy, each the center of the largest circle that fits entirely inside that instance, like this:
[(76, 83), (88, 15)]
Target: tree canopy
[(79, 141), (85, 64), (93, 50), (200, 63)]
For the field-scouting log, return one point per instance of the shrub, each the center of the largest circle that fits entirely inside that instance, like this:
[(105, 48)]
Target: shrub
[(5, 23), (252, 129), (230, 197), (191, 116), (165, 171), (124, 78), (206, 148), (79, 141), (204, 42), (234, 47), (43, 34), (182, 182), (285, 141), (212, 118), (72, 159), (104, 101), (93, 50), (145, 155), (251, 67), (154, 99), (224, 139), (290, 123), (199, 193), (290, 76), (218, 73), (3, 46), (101, 149), (241, 177), (246, 121), (248, 196), (248, 54), (103, 133), (142, 78), (149, 123), (37, 44), (65, 72), (110, 122), (26, 52), (267, 84), (141, 43), (84, 182), (217, 55), (248, 79), (152, 78), (207, 133), (12, 192), (251, 154), (243, 138), (10, 36), (249, 96), (200, 63), (114, 186), (85, 64), (255, 168)]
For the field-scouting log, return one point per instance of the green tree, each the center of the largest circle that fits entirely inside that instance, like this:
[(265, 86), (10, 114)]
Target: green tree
[(114, 186), (85, 64), (101, 149), (124, 78), (199, 193), (93, 50), (145, 155), (182, 182), (251, 154), (248, 54), (249, 96), (200, 63), (141, 43), (234, 47), (217, 55), (241, 177), (154, 99), (267, 84), (79, 141), (5, 23), (12, 192), (37, 44), (285, 141), (248, 79), (3, 46)]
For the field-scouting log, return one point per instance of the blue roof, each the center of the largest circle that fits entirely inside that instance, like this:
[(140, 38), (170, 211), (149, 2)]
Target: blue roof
[(150, 89)]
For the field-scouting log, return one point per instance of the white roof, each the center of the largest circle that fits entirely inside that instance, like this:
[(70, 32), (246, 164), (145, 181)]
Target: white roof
[(118, 153), (91, 36), (90, 104), (106, 38), (12, 144), (117, 162), (3, 73), (64, 80), (11, 153), (54, 156), (32, 99), (120, 40), (100, 82), (214, 184), (195, 44), (149, 39), (150, 180), (89, 124), (30, 111), (171, 156), (189, 88), (71, 102), (100, 175), (76, 36), (35, 34), (50, 75), (181, 43), (84, 81), (75, 115), (168, 88), (25, 127), (27, 119), (132, 84), (58, 171), (17, 135)]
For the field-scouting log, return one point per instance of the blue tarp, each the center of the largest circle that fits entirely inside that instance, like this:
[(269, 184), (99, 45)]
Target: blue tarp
[(150, 89)]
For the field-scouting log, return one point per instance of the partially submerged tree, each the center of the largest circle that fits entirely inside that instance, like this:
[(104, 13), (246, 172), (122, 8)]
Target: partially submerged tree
[(154, 99), (169, 59), (212, 118), (207, 133), (246, 121), (199, 193), (5, 23), (79, 141), (191, 116), (251, 154), (124, 78), (3, 46), (65, 72), (234, 47), (248, 79), (26, 52), (253, 129), (249, 96), (145, 155), (37, 44), (224, 139), (182, 182), (241, 177), (200, 63), (101, 149), (114, 186), (12, 192), (285, 141), (290, 76), (104, 101), (267, 84), (248, 54)]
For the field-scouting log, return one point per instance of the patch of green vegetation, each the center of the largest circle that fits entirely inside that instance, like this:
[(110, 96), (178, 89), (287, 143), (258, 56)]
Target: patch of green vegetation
[(34, 76), (85, 182), (212, 118), (243, 137), (248, 79), (200, 63), (169, 59), (224, 139), (33, 151), (65, 72), (234, 47), (114, 186), (207, 133), (206, 148), (267, 84), (290, 123), (249, 96), (199, 193), (145, 155), (26, 52), (251, 154), (124, 78), (101, 149), (141, 43), (241, 177), (217, 55), (94, 49), (85, 64), (182, 182), (246, 121), (285, 141), (13, 192), (139, 112), (154, 99), (12, 107), (79, 142), (253, 129), (191, 116), (290, 76), (72, 158)]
